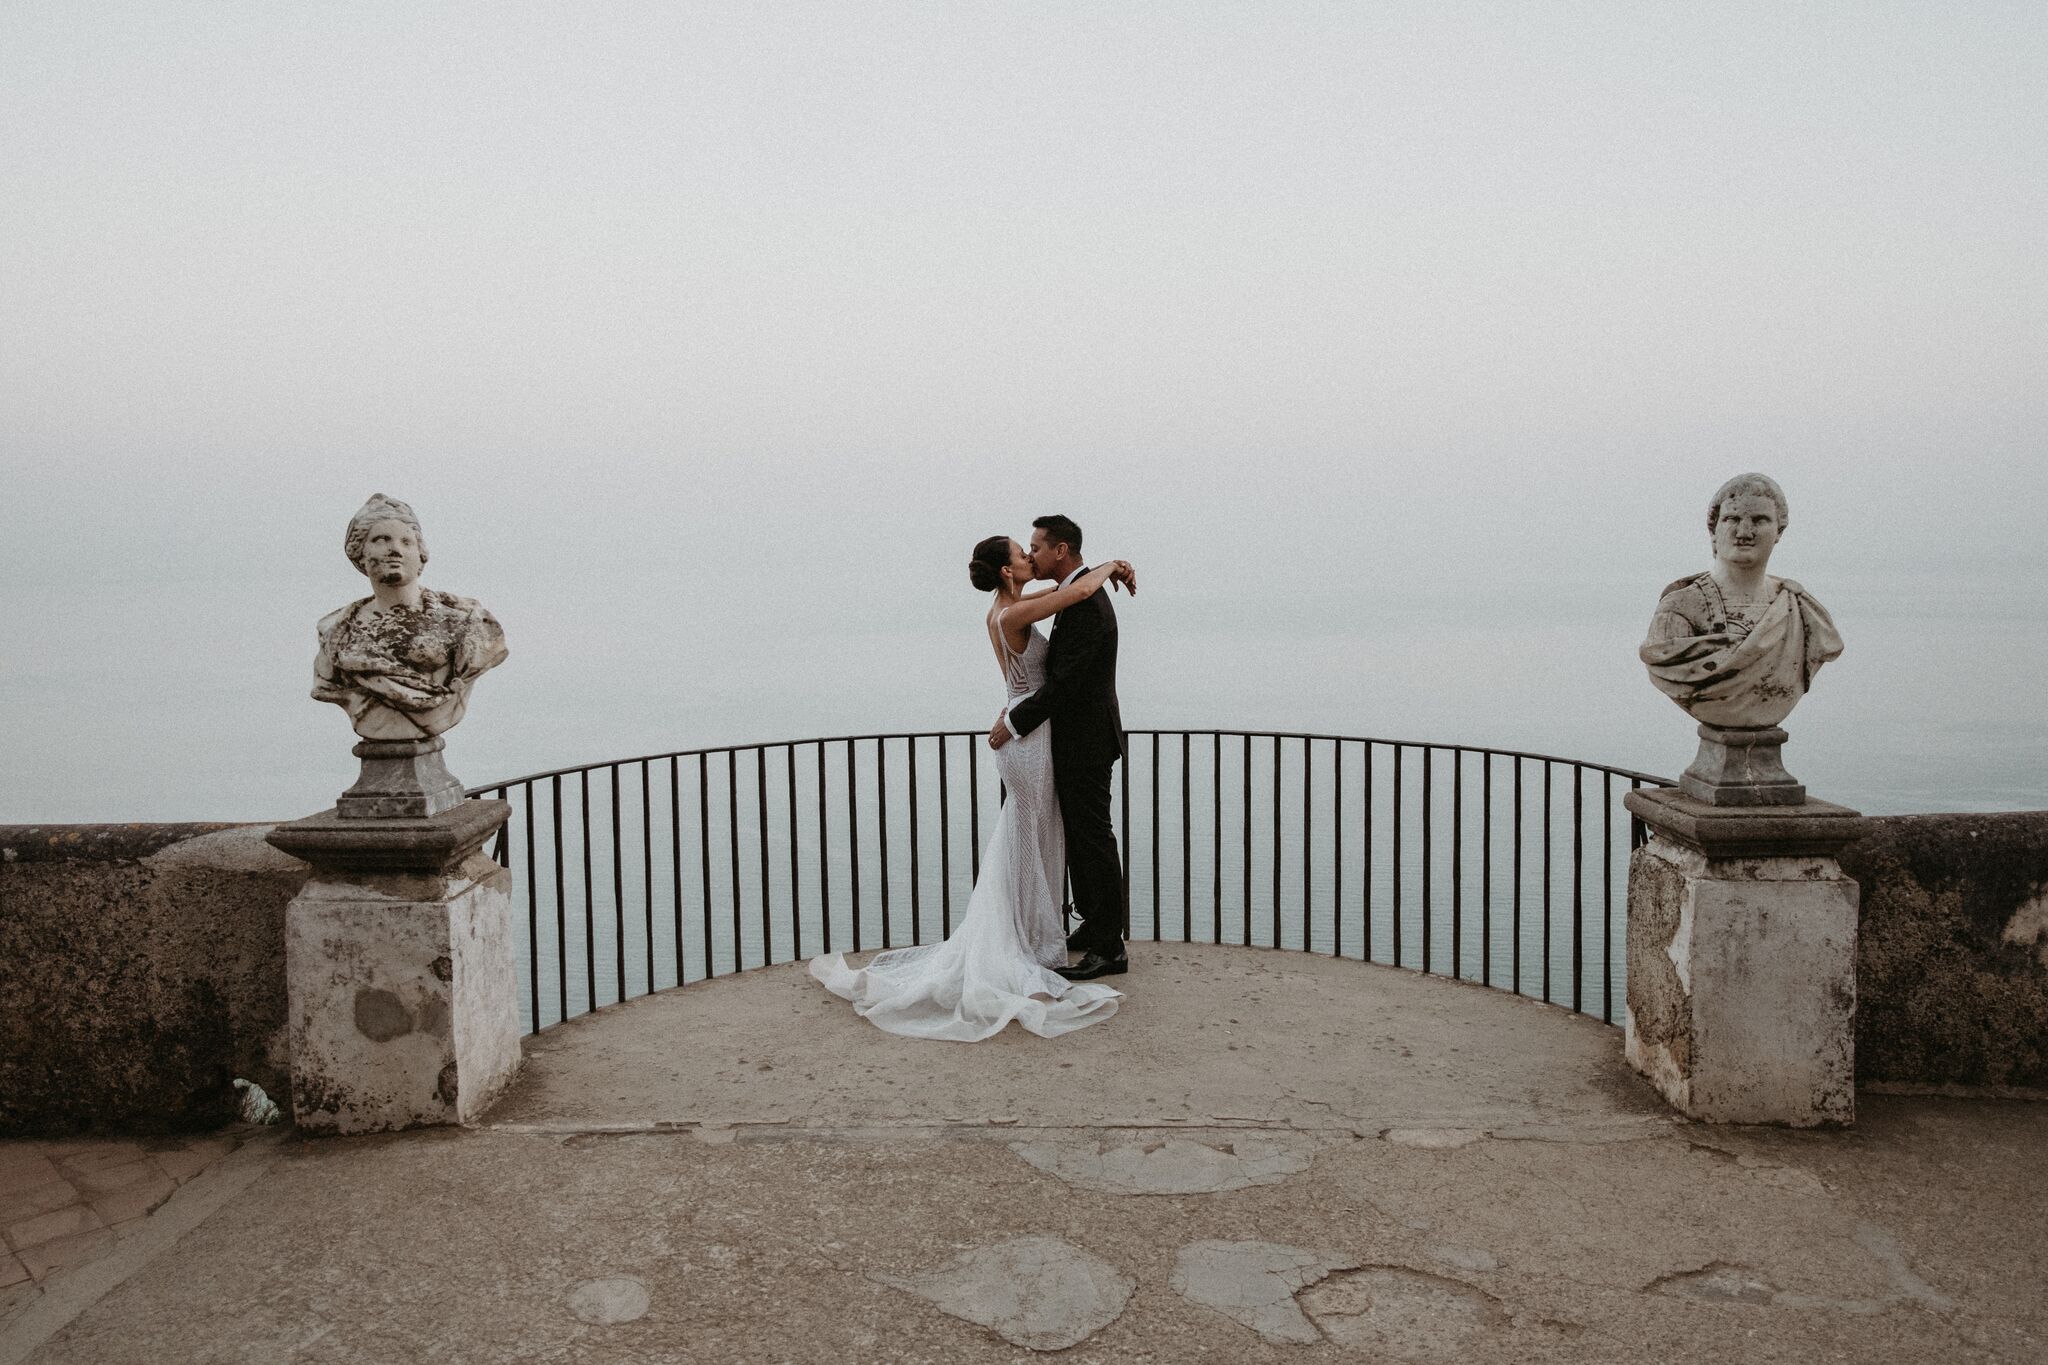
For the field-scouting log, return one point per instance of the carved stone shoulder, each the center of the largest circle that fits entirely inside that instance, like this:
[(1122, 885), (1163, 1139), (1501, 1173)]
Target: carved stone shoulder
[(334, 618), (1690, 581), (1682, 607)]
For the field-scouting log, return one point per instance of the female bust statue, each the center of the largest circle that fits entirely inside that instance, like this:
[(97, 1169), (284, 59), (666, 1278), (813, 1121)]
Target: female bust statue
[(1733, 646), (402, 660)]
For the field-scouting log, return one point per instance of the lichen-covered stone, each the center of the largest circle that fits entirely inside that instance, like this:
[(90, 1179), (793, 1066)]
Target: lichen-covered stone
[(143, 971), (1952, 965)]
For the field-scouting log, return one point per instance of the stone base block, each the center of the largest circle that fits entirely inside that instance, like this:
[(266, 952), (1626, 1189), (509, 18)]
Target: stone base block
[(1741, 767), (400, 779), (404, 1002), (1742, 964)]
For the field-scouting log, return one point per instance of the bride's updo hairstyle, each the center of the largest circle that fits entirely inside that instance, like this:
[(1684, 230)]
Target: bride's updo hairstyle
[(991, 557)]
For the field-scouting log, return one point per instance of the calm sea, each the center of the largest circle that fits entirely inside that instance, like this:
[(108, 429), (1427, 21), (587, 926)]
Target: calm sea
[(166, 701)]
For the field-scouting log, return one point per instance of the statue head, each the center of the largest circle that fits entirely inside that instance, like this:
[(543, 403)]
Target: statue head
[(368, 524), (1745, 519)]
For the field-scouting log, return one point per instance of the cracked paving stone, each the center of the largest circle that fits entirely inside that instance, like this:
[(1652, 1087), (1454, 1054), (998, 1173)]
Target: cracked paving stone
[(1466, 1258), (1717, 1282), (1254, 1283), (1174, 1165), (1432, 1137), (1721, 1282), (1041, 1293), (614, 1299), (1398, 1311)]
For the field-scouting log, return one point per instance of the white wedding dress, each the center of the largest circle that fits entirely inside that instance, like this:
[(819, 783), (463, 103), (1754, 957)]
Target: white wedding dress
[(997, 965)]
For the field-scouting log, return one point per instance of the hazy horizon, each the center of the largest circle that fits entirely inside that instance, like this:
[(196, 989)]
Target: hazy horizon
[(1399, 348)]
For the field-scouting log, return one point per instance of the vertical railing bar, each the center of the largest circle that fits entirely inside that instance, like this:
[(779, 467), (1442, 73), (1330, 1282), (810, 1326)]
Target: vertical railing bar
[(916, 931), (945, 848), (1578, 885), (824, 858), (1246, 938), (1308, 838), (732, 812), (1607, 896), (1458, 864), (618, 885), (704, 850), (974, 806), (1516, 925), (796, 904), (1337, 851), (1365, 848), (532, 917), (761, 819), (1216, 834), (1155, 835), (589, 912), (882, 826), (647, 859), (1276, 841), (1428, 862), (1486, 869), (561, 909), (1187, 840), (675, 846), (1548, 839), (1397, 857), (853, 843)]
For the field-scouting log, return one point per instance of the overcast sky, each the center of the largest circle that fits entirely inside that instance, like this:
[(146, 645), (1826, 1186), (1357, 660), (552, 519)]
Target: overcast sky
[(707, 324)]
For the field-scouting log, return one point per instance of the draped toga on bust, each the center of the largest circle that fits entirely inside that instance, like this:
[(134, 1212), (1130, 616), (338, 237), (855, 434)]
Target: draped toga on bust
[(1741, 666), (405, 673)]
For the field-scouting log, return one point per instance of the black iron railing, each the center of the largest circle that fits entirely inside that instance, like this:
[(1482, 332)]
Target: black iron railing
[(1489, 865)]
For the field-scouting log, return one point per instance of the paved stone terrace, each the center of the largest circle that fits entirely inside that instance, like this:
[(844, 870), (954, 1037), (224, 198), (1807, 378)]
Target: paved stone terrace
[(1264, 1157), (65, 1204)]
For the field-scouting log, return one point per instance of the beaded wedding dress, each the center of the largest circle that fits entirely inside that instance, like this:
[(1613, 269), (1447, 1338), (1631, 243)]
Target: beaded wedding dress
[(997, 965)]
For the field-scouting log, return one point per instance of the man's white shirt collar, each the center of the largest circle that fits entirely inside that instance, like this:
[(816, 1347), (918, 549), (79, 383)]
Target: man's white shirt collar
[(1074, 575)]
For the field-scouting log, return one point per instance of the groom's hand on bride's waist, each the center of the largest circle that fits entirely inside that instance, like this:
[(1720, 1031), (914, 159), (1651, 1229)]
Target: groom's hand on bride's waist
[(999, 733)]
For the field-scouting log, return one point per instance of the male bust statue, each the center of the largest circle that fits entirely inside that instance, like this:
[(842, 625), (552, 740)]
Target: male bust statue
[(1738, 649), (402, 660), (1734, 646)]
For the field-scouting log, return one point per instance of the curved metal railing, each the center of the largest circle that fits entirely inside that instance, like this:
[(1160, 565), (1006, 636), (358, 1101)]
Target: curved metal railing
[(1490, 865)]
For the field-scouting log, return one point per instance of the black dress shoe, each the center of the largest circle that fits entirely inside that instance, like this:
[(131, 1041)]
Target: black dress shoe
[(1093, 965)]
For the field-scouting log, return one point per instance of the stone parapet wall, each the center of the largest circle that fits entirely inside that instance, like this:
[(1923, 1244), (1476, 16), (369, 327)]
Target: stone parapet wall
[(1952, 958), (142, 968)]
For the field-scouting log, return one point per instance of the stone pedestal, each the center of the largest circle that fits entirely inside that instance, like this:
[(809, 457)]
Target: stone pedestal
[(399, 968), (1742, 959), (1741, 766), (401, 779)]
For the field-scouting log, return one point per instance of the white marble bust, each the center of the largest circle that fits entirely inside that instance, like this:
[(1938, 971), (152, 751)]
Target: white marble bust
[(1734, 646), (401, 661)]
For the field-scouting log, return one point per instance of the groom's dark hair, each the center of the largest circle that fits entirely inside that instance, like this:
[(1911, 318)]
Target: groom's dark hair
[(1060, 531)]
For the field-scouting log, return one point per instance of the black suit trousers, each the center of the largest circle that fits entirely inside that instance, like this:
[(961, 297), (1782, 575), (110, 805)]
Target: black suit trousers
[(1082, 781)]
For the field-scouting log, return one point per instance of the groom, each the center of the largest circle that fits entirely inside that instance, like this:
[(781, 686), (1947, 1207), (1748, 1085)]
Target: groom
[(1080, 694)]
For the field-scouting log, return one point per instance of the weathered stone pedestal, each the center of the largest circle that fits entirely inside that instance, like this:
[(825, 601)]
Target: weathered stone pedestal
[(405, 778), (1739, 765), (399, 968), (1742, 959)]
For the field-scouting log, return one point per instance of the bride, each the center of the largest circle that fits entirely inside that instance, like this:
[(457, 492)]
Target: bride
[(998, 964)]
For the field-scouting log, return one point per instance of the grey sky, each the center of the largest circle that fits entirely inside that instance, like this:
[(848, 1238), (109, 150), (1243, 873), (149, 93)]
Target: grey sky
[(671, 317)]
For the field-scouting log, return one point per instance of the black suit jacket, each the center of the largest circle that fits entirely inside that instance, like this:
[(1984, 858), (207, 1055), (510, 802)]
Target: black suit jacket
[(1080, 685)]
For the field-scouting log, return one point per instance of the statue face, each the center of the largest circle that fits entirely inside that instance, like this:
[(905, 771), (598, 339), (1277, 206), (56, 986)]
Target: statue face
[(391, 554), (1746, 531)]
